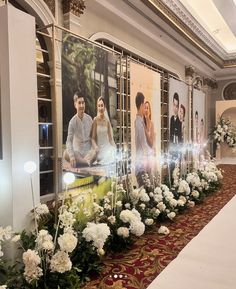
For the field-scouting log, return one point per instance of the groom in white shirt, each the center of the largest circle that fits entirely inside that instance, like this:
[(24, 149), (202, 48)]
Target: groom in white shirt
[(79, 151)]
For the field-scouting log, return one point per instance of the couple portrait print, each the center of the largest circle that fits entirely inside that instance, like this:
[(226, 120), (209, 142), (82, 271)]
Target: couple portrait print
[(89, 141), (145, 123)]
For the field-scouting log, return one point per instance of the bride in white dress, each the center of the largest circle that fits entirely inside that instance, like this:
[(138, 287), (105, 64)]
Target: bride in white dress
[(102, 135)]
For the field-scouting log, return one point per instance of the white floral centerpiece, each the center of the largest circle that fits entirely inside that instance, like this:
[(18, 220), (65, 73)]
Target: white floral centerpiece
[(224, 131)]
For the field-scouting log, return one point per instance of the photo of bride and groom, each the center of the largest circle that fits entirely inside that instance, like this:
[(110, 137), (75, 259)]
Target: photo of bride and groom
[(144, 138), (89, 142)]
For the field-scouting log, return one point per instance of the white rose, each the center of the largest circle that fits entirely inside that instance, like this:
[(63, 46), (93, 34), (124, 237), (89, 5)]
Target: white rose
[(149, 222), (163, 230), (171, 215)]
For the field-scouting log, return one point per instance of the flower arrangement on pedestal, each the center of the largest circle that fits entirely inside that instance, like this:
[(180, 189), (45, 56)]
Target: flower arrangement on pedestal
[(224, 131)]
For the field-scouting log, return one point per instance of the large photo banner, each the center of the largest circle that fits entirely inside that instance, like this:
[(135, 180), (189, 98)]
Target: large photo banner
[(178, 123), (199, 123), (145, 122), (178, 112), (89, 108)]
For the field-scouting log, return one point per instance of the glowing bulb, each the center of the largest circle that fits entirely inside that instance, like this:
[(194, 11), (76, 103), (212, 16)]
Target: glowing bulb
[(68, 178), (30, 167)]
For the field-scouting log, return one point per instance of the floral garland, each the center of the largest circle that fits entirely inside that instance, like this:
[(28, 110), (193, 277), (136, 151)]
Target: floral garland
[(63, 250), (224, 131)]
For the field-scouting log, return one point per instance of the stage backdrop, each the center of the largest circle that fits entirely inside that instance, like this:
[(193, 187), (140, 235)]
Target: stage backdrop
[(146, 81), (181, 89), (199, 132), (91, 71)]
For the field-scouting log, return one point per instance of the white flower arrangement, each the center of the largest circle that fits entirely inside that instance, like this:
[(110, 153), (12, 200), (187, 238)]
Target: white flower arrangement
[(121, 215), (97, 233), (224, 131)]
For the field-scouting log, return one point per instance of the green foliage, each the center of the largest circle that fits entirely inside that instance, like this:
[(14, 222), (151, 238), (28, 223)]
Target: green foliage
[(85, 258)]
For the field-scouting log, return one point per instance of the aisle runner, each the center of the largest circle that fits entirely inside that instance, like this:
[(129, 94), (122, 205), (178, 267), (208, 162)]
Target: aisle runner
[(138, 267), (208, 261)]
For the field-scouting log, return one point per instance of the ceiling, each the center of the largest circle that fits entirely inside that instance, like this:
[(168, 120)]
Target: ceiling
[(220, 22), (198, 33), (208, 25)]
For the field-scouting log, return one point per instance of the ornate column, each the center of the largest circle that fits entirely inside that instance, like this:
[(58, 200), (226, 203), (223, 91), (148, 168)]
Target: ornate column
[(208, 86), (72, 9), (189, 76)]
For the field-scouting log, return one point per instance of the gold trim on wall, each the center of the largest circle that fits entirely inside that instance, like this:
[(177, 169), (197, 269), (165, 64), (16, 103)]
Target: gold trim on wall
[(167, 15)]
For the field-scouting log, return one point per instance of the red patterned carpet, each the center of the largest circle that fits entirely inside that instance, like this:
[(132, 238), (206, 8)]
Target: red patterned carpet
[(136, 268)]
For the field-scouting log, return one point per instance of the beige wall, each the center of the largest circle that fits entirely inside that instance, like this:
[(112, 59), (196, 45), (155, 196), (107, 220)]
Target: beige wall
[(19, 116), (99, 20)]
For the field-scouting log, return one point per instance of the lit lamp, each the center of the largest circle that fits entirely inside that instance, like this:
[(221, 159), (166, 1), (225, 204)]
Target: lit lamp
[(68, 179), (30, 168)]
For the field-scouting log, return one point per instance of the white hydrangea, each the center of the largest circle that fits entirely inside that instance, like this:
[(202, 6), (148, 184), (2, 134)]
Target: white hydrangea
[(184, 187), (123, 232), (144, 197), (137, 228), (135, 195), (60, 262), (97, 233), (128, 216), (158, 198), (67, 242), (193, 179), (158, 191)]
